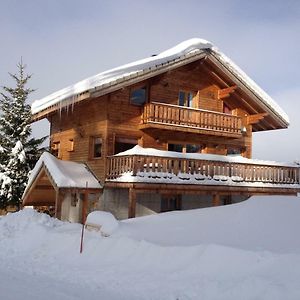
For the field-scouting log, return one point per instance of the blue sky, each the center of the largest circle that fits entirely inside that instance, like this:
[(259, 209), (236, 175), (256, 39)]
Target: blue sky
[(66, 41)]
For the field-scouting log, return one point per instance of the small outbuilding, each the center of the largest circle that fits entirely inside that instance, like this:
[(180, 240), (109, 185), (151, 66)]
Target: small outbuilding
[(68, 186)]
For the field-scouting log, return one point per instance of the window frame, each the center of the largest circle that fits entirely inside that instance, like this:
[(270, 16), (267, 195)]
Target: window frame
[(186, 99), (92, 147), (71, 145), (140, 87), (56, 146)]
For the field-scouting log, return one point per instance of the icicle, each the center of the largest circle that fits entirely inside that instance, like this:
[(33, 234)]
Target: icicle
[(60, 108), (73, 103)]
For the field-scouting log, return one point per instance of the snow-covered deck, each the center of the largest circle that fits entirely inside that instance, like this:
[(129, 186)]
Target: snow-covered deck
[(140, 165)]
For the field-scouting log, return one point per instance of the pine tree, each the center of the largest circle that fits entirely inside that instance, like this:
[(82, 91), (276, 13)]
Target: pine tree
[(19, 150)]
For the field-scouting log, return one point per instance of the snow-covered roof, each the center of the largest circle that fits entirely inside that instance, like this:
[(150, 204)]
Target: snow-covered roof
[(65, 174), (138, 150), (191, 49)]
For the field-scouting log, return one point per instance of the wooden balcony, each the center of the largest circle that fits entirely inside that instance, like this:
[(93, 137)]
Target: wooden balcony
[(180, 171), (186, 119)]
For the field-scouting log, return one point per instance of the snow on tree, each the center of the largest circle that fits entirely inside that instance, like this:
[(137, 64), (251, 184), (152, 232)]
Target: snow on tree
[(19, 151)]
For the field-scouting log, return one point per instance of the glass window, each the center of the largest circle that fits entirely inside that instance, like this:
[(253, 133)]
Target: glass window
[(169, 203), (234, 151), (138, 96), (123, 144), (190, 99), (175, 147), (185, 99), (181, 98), (193, 148), (97, 145)]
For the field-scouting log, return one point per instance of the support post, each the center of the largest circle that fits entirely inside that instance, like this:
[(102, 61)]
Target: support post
[(58, 202), (216, 200), (132, 203)]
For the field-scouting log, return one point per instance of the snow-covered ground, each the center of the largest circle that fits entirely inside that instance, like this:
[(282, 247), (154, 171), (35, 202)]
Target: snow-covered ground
[(249, 250)]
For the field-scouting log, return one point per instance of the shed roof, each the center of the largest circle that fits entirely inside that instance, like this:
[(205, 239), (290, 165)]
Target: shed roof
[(183, 53), (64, 174)]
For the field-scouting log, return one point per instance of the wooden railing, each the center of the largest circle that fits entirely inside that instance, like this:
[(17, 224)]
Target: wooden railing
[(161, 113), (186, 169)]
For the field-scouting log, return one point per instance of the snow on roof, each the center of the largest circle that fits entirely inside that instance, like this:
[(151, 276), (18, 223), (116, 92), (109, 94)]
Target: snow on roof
[(241, 75), (138, 150), (194, 46), (65, 174)]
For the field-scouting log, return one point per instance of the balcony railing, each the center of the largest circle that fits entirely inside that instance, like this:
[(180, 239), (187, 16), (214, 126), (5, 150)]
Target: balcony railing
[(197, 170), (186, 117)]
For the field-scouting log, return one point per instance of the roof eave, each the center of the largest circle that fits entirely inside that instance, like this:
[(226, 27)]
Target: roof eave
[(121, 83), (249, 91)]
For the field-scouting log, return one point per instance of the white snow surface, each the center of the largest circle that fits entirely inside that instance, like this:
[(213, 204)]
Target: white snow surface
[(64, 173), (195, 45), (138, 150), (249, 250), (104, 220)]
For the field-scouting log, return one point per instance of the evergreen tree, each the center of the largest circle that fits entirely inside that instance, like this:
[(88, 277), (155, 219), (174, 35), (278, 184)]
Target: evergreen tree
[(19, 150)]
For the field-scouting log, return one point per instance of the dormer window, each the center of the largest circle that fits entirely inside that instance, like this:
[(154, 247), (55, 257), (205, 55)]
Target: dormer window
[(138, 96)]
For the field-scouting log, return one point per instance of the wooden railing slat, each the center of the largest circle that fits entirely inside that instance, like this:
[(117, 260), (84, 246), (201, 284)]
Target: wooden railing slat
[(185, 116)]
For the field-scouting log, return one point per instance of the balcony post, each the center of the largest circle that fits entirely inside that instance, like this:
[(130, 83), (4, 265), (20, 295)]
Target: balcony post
[(216, 200), (132, 203)]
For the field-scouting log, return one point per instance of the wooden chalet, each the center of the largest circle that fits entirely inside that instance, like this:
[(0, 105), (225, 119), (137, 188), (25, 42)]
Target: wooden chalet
[(173, 131)]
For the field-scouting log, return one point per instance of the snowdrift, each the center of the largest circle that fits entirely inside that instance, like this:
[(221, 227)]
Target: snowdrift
[(249, 250)]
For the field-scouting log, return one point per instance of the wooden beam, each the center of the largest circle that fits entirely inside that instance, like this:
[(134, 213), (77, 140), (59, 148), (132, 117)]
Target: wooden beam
[(132, 203), (254, 119), (58, 202), (224, 93), (202, 189), (216, 200)]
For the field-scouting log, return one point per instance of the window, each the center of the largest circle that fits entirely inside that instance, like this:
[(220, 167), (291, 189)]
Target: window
[(55, 149), (235, 151), (123, 144), (191, 148), (175, 147), (71, 145), (96, 145), (185, 148), (170, 202), (138, 96), (185, 99)]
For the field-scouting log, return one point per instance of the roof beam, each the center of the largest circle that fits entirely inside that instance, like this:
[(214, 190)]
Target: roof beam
[(224, 93), (254, 119)]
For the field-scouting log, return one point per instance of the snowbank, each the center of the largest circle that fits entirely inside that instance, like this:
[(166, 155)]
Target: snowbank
[(105, 221), (246, 251)]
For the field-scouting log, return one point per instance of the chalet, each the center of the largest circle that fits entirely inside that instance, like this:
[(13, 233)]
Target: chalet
[(169, 132)]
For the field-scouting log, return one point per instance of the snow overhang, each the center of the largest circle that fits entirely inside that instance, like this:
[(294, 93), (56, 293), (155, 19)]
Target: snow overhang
[(182, 54)]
